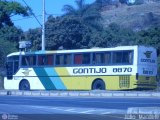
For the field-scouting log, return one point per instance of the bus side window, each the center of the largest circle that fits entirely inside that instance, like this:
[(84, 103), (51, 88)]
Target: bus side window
[(67, 59), (82, 58), (131, 57), (50, 59), (78, 59), (63, 59), (117, 57), (107, 58), (25, 61), (41, 60), (59, 59), (98, 58), (123, 57), (86, 58), (45, 60), (127, 57), (28, 60), (32, 60)]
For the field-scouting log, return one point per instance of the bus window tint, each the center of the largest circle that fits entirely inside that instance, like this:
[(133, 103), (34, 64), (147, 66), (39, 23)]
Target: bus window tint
[(63, 59), (50, 59), (25, 61), (12, 65), (122, 57), (78, 59), (102, 58), (59, 59), (41, 60), (127, 57), (45, 60), (98, 58), (107, 58), (86, 58), (82, 58), (67, 59), (13, 58), (28, 60), (32, 60), (117, 57)]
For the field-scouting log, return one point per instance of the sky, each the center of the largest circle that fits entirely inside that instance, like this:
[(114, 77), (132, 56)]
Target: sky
[(53, 7)]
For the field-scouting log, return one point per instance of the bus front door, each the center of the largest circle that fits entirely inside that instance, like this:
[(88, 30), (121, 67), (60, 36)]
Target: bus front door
[(9, 68)]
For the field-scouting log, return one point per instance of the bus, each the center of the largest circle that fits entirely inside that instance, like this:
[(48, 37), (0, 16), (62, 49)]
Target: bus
[(117, 68)]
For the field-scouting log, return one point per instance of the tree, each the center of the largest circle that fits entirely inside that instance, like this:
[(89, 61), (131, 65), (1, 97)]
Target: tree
[(34, 35), (9, 38), (67, 32), (149, 37), (9, 9), (86, 13), (113, 36), (9, 34), (72, 30)]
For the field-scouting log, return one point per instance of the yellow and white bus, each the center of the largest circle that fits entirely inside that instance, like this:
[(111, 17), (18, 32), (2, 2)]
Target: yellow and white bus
[(118, 68)]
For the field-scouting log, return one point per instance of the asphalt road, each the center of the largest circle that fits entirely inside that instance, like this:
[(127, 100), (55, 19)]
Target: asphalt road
[(68, 108)]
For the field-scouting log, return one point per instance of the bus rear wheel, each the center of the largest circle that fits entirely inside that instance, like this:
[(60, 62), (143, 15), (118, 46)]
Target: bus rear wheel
[(98, 85), (24, 85)]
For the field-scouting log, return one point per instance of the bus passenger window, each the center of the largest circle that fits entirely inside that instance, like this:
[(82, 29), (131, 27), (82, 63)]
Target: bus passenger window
[(86, 58), (59, 59), (32, 60), (108, 57), (123, 57), (49, 59), (67, 59), (127, 57), (42, 60), (25, 61), (78, 59), (131, 57), (98, 58), (45, 60), (117, 57), (28, 60)]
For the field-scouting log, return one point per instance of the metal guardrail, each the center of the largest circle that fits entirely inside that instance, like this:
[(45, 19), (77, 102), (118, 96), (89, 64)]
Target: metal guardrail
[(82, 93)]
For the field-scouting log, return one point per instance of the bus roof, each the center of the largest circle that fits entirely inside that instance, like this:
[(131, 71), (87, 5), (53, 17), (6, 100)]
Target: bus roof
[(76, 50)]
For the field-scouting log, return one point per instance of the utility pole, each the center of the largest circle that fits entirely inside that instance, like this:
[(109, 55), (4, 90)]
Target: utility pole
[(43, 27)]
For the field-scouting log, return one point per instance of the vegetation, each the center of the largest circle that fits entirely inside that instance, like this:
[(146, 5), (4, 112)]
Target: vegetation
[(9, 34), (9, 9), (79, 27)]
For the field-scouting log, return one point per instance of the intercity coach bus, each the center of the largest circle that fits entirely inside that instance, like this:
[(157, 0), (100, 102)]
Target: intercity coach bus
[(118, 68)]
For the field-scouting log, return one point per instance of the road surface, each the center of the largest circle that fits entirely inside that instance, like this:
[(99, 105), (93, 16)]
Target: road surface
[(27, 108)]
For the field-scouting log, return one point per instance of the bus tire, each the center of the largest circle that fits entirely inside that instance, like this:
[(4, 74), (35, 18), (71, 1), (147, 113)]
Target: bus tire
[(98, 84), (24, 85)]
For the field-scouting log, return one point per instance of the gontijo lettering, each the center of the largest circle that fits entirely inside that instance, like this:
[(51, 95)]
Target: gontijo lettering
[(148, 61), (89, 70)]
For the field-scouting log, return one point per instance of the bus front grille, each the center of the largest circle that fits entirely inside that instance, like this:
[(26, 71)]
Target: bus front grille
[(124, 81)]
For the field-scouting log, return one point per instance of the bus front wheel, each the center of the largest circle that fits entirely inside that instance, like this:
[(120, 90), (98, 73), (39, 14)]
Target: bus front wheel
[(98, 85), (24, 85)]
